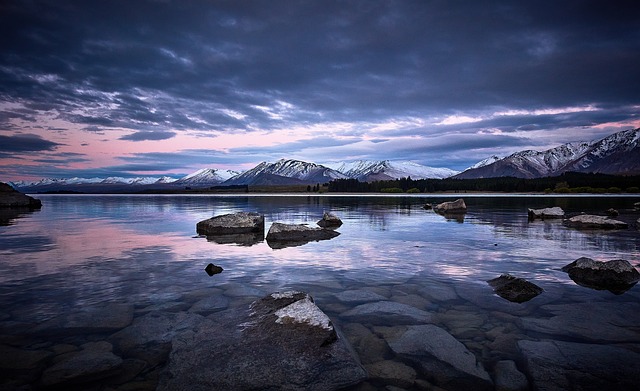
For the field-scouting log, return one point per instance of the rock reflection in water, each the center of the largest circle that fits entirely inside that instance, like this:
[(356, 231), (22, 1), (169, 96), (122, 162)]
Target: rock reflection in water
[(247, 239)]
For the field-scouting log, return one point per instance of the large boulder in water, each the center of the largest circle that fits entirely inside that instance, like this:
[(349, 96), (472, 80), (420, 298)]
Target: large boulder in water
[(232, 224), (546, 213), (281, 342), (286, 235), (514, 289), (451, 207), (595, 222), (11, 198), (616, 276)]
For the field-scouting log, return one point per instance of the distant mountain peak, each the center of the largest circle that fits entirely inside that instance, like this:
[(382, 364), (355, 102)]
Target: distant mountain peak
[(618, 153), (370, 170)]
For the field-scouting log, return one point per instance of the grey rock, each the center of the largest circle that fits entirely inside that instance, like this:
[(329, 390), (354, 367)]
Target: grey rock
[(457, 206), (11, 198), (282, 235), (612, 212), (209, 305), (559, 365), (438, 291), (232, 223), (507, 377), (103, 319), (246, 239), (546, 213), (616, 276), (329, 220), (358, 296), (387, 312), (149, 337), (13, 358), (82, 367), (593, 321), (427, 206), (283, 341), (514, 289), (443, 359), (392, 372), (595, 222)]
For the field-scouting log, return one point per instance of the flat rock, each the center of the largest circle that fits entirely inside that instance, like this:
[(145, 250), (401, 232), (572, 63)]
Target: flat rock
[(329, 220), (438, 291), (387, 312), (11, 198), (508, 378), (514, 289), (593, 321), (282, 341), (616, 276), (358, 296), (559, 365), (595, 222), (546, 213), (149, 337), (103, 319), (13, 358), (443, 359), (457, 206), (210, 305), (392, 372), (232, 223), (82, 367), (282, 235)]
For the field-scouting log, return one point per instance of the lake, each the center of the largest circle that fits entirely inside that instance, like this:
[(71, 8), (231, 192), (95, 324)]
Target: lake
[(81, 256)]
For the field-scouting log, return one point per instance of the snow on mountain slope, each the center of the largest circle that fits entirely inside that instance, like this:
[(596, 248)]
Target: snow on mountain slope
[(206, 176), (368, 170), (616, 154), (287, 168), (485, 162)]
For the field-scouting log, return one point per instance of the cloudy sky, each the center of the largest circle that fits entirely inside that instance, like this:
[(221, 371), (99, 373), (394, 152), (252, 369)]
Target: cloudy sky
[(145, 88)]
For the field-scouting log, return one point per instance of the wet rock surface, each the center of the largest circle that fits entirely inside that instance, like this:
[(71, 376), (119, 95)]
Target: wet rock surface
[(451, 207), (595, 222), (329, 220), (282, 341), (514, 289), (232, 224), (282, 235), (387, 312), (546, 213), (616, 276)]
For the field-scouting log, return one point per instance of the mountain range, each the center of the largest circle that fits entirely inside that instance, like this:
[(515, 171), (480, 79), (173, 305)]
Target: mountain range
[(618, 153)]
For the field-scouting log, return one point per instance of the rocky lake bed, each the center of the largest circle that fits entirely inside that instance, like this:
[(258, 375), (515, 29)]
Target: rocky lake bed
[(414, 314)]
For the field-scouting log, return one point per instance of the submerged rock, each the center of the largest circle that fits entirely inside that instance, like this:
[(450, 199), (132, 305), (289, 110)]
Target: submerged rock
[(387, 312), (616, 276), (595, 222), (547, 213), (282, 341), (282, 235), (514, 289), (233, 223), (457, 206), (329, 220), (247, 240), (559, 365), (93, 320), (11, 198), (87, 366), (443, 359)]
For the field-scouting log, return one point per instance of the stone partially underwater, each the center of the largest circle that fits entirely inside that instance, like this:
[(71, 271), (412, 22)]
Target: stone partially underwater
[(283, 341), (232, 224), (282, 235), (617, 276), (514, 289)]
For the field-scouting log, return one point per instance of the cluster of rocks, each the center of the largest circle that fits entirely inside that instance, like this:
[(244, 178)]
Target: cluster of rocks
[(581, 221), (247, 228)]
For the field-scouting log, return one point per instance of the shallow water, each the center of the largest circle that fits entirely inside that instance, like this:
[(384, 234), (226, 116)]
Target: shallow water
[(85, 251)]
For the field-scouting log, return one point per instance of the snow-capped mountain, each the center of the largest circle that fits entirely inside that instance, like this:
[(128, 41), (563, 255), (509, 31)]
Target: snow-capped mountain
[(615, 154), (285, 172), (368, 170), (206, 176), (59, 182), (485, 162)]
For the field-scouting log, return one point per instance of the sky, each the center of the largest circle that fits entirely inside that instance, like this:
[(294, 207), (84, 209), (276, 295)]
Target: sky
[(149, 87)]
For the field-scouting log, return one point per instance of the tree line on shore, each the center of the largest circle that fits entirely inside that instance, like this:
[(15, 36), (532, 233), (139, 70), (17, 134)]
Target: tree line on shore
[(570, 182)]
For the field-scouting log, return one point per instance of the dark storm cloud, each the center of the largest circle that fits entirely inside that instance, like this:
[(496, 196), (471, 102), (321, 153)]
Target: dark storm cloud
[(142, 136), (211, 65), (22, 143)]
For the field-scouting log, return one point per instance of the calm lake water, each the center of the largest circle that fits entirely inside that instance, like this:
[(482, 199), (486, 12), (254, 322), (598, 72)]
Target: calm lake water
[(86, 251)]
